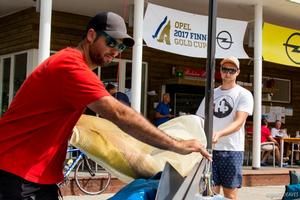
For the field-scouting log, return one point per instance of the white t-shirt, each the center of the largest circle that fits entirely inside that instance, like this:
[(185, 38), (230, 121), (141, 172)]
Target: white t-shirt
[(278, 132), (226, 104)]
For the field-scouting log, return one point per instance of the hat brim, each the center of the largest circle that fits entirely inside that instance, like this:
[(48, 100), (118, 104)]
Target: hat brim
[(127, 40), (230, 61)]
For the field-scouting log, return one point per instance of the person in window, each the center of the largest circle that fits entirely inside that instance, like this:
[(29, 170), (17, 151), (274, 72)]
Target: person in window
[(162, 111), (34, 131), (122, 97)]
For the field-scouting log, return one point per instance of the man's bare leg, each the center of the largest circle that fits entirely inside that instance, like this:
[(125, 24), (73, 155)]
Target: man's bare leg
[(230, 193), (265, 156), (277, 154), (217, 189)]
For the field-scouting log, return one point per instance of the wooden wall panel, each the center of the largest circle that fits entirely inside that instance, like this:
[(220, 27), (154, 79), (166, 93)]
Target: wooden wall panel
[(67, 29), (16, 31)]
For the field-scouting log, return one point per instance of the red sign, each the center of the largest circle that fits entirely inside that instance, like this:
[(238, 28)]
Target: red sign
[(194, 72)]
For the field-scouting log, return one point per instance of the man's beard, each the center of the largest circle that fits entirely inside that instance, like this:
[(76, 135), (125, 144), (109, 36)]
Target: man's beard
[(95, 58)]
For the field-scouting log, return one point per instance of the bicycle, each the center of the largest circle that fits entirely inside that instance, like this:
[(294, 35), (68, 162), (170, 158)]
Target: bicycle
[(86, 181)]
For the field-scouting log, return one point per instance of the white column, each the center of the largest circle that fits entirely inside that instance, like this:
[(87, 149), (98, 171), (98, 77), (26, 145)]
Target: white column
[(45, 29), (137, 52), (257, 85), (122, 75)]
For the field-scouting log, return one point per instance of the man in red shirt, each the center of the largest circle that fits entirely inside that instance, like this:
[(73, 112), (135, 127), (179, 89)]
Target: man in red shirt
[(266, 136), (34, 131)]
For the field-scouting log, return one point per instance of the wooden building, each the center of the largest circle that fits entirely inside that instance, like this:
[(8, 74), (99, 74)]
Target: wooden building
[(19, 43)]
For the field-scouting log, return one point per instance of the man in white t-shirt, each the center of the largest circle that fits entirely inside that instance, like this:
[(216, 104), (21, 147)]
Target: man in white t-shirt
[(232, 105), (277, 131)]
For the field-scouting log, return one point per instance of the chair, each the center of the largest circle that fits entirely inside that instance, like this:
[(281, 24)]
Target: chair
[(264, 145), (295, 148), (248, 148)]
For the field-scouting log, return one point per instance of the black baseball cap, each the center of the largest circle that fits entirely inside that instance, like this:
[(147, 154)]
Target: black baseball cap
[(112, 24)]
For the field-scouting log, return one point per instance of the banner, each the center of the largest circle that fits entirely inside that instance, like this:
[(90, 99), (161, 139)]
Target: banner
[(281, 45), (186, 34)]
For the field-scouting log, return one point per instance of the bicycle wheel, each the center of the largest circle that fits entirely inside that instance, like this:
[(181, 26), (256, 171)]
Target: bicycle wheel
[(91, 178)]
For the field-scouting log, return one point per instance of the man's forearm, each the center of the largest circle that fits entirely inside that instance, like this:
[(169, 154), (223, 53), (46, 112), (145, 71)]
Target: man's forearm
[(158, 115), (138, 125), (133, 123), (235, 125)]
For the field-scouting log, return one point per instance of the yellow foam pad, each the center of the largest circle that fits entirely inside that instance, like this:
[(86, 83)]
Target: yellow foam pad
[(128, 158)]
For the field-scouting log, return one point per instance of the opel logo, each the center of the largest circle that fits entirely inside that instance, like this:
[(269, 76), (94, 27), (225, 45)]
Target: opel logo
[(224, 40), (292, 48)]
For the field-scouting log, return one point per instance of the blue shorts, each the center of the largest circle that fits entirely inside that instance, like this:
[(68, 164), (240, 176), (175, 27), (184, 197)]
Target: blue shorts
[(227, 168)]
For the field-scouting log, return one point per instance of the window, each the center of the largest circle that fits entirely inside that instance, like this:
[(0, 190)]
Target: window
[(277, 89), (4, 90), (19, 71), (282, 92), (13, 70)]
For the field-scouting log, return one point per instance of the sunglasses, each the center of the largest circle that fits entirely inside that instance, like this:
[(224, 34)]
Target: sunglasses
[(226, 70), (112, 43)]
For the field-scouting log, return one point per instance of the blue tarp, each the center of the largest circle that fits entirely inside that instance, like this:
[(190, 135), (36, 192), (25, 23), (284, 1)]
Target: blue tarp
[(139, 189)]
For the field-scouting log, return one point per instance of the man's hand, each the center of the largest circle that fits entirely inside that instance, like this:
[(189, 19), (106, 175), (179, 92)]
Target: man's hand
[(189, 146), (216, 137)]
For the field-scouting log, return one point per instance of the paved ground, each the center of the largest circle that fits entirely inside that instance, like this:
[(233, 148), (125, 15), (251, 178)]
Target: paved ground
[(96, 197), (261, 193), (246, 193)]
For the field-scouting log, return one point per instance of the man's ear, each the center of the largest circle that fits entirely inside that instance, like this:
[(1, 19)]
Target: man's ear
[(91, 35)]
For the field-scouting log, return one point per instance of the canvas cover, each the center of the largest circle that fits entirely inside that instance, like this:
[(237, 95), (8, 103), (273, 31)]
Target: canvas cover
[(126, 157)]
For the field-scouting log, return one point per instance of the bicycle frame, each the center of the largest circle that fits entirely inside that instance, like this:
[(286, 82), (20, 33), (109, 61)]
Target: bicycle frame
[(74, 163), (82, 160)]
